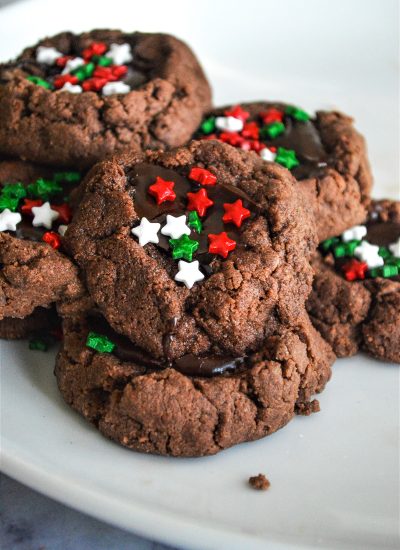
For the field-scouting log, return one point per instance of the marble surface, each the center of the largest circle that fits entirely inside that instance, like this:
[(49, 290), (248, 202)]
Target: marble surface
[(31, 521)]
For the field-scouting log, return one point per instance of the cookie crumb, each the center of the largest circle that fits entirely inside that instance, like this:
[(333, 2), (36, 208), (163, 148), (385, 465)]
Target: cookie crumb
[(259, 482), (305, 409)]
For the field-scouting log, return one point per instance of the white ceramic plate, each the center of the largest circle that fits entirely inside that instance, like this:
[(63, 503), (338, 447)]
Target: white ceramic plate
[(334, 476)]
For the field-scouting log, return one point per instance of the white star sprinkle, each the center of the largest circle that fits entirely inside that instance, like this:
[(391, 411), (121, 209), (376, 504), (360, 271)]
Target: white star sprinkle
[(189, 273), (115, 88), (395, 248), (71, 88), (62, 229), (120, 53), (267, 154), (175, 227), (44, 216), (229, 124), (368, 253), (9, 220), (72, 64), (46, 55), (146, 232), (354, 233)]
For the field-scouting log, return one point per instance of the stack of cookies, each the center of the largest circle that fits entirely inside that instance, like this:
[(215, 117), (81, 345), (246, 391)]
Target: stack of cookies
[(201, 266)]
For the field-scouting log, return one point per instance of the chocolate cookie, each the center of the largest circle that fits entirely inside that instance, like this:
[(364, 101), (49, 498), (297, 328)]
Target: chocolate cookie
[(203, 250), (326, 155), (355, 301), (72, 99), (34, 273), (193, 408), (40, 321)]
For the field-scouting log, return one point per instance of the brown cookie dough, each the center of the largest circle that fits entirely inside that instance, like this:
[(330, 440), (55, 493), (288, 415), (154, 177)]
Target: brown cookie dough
[(33, 274), (326, 155), (168, 95), (152, 409), (41, 320), (259, 288), (360, 314), (260, 482)]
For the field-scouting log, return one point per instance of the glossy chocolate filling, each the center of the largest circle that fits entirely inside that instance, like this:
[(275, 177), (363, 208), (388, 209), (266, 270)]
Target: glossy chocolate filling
[(143, 175), (191, 365)]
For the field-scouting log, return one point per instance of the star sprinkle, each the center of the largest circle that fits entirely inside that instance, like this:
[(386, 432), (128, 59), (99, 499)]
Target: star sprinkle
[(64, 210), (395, 248), (235, 213), (9, 220), (120, 53), (116, 88), (162, 190), (203, 176), (71, 88), (297, 113), (194, 222), (221, 244), (44, 216), (175, 227), (183, 248), (26, 208), (237, 112), (271, 115), (199, 201), (99, 343), (354, 233), (267, 154), (353, 269), (46, 55), (189, 273), (39, 81), (62, 229), (369, 253), (73, 64), (287, 158), (52, 239), (146, 232), (208, 125), (272, 130), (229, 124)]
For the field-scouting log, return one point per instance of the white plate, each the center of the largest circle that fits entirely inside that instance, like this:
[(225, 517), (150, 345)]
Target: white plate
[(334, 476)]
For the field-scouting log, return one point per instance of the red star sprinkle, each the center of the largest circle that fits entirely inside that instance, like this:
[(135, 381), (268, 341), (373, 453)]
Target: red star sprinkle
[(199, 201), (53, 239), (220, 244), (111, 74), (62, 79), (203, 176), (237, 112), (233, 138), (353, 269), (65, 212), (271, 115), (62, 61), (97, 48), (26, 208), (257, 146), (93, 84), (235, 213), (251, 130), (162, 190)]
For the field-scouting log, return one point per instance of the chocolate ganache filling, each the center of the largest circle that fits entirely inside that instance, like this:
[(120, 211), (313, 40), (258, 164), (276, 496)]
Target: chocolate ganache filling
[(189, 364)]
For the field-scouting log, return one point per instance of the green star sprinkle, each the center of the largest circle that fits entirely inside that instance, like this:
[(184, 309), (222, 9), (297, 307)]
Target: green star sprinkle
[(208, 125), (69, 177), (85, 71), (297, 113), (38, 344), (384, 252), (102, 60), (184, 247), (272, 130), (393, 261), (9, 202), (384, 271), (194, 221), (16, 190), (43, 189), (287, 158), (329, 243), (99, 343), (39, 82), (345, 249)]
